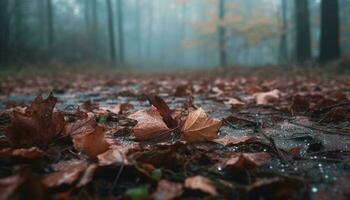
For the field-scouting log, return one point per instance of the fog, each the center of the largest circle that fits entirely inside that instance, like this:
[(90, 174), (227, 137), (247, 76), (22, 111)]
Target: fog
[(160, 34)]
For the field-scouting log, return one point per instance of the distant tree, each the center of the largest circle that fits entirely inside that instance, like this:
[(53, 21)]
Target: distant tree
[(222, 35), (330, 33), (50, 23), (303, 35), (283, 54), (41, 19), (94, 24), (121, 31), (111, 31), (4, 31)]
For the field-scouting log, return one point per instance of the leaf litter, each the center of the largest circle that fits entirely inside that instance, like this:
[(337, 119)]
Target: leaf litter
[(221, 137)]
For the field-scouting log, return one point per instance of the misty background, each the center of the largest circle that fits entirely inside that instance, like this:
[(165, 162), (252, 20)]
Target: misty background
[(171, 34)]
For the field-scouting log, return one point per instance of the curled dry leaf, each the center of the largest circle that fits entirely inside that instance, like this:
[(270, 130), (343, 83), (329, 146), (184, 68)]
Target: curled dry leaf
[(199, 127), (201, 183), (38, 126), (163, 110), (167, 190), (92, 143), (246, 160), (231, 140), (264, 98), (150, 125), (235, 103), (112, 156), (66, 173)]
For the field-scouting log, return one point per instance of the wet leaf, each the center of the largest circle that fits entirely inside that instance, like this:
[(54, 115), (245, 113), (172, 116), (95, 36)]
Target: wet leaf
[(199, 127), (264, 98), (246, 160), (92, 143), (163, 110), (231, 140), (201, 183), (38, 126), (150, 125)]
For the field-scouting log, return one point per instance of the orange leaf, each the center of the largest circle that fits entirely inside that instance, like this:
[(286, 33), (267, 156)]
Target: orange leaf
[(93, 143), (150, 124), (199, 127), (201, 183)]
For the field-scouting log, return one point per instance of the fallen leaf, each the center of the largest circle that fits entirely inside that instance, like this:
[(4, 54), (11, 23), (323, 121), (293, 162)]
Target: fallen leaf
[(66, 173), (81, 126), (231, 140), (22, 186), (92, 143), (150, 125), (276, 188), (38, 126), (167, 190), (264, 98), (299, 104), (246, 160), (25, 153), (201, 183), (110, 157), (121, 108), (199, 127), (234, 102), (163, 110)]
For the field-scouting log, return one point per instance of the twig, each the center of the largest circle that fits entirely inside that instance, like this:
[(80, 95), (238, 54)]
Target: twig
[(118, 175)]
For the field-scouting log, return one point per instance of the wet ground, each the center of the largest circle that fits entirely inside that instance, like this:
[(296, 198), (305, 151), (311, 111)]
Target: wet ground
[(306, 152)]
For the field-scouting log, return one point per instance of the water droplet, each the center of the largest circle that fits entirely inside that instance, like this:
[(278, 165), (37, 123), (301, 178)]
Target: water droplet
[(326, 176), (219, 168), (314, 189), (319, 165)]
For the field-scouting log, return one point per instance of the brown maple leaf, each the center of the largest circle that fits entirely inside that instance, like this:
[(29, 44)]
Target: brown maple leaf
[(150, 124), (199, 127), (38, 126)]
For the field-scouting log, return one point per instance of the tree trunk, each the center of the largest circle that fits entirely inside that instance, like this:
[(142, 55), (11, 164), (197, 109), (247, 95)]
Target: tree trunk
[(41, 20), (303, 37), (283, 57), (50, 24), (222, 35), (4, 31), (120, 31), (330, 42), (94, 22), (111, 31)]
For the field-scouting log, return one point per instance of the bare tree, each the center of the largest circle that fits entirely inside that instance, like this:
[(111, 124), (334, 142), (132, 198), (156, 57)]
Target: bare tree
[(303, 36), (111, 31), (120, 31), (50, 23), (330, 42), (222, 35)]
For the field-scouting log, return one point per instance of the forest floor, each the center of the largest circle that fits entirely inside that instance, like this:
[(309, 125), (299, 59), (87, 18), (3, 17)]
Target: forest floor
[(231, 134)]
